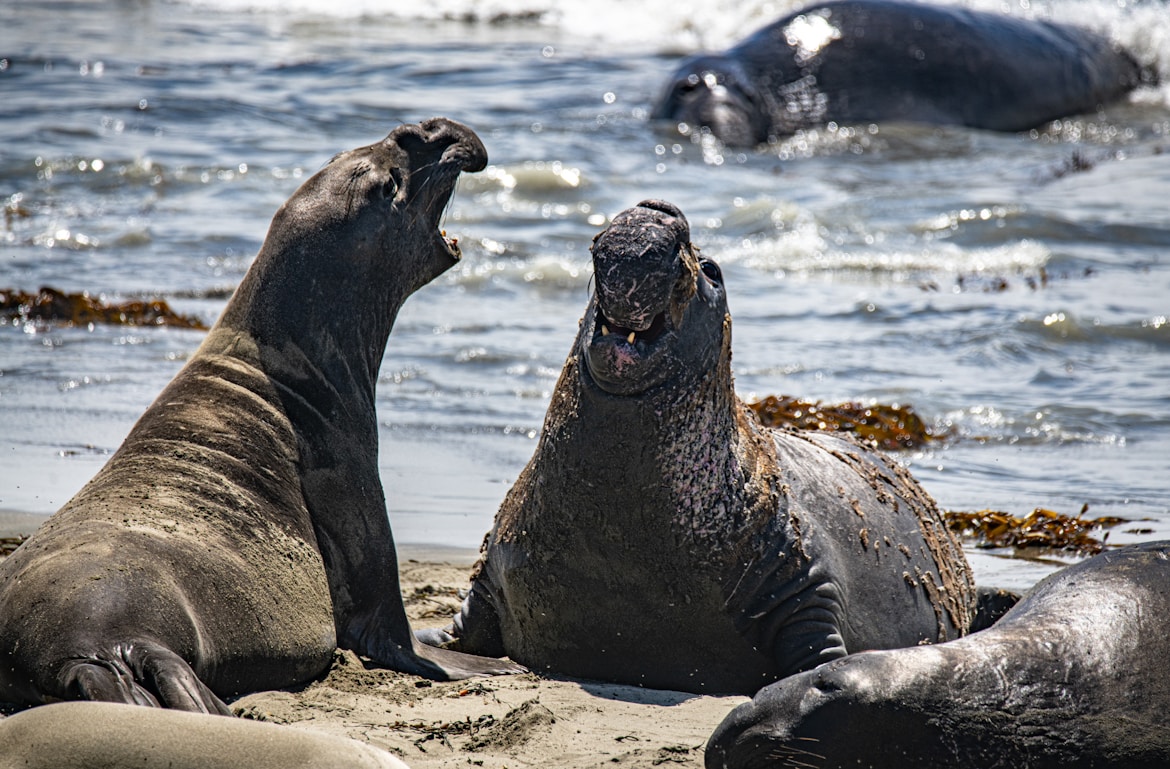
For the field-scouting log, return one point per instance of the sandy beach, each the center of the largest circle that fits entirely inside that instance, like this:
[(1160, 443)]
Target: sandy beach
[(511, 721)]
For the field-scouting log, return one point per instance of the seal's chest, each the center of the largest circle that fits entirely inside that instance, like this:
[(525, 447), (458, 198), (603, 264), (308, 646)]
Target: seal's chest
[(625, 618)]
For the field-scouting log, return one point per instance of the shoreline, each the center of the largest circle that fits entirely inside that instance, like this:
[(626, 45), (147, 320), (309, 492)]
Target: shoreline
[(15, 523)]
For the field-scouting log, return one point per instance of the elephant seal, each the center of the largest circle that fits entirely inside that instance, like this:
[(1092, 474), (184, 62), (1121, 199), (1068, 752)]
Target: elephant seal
[(863, 61), (1076, 675), (85, 735), (662, 536), (240, 534)]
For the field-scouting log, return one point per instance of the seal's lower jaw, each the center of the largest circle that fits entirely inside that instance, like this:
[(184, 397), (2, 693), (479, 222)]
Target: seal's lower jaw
[(626, 361)]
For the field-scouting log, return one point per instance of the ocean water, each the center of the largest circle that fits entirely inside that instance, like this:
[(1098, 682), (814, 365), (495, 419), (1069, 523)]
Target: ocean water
[(1014, 289)]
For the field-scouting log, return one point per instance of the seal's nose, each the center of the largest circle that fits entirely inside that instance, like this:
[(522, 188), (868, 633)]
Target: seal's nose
[(440, 140), (670, 209), (637, 262)]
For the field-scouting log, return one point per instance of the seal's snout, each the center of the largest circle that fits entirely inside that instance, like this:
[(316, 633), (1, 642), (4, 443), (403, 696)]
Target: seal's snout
[(643, 322), (429, 157), (745, 739), (440, 140), (637, 261), (714, 92)]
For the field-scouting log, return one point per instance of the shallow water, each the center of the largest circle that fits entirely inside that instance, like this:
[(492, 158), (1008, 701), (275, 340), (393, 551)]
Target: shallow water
[(991, 281)]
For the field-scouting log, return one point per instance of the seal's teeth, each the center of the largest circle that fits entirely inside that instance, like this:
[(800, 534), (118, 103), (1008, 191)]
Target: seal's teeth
[(604, 330), (630, 338)]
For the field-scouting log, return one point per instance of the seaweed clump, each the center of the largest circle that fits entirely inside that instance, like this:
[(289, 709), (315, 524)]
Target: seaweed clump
[(881, 426), (9, 544), (1041, 528), (50, 305)]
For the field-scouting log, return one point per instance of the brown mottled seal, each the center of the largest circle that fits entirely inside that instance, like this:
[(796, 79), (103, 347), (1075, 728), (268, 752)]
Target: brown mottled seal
[(239, 534), (1076, 675), (85, 735), (662, 536), (861, 61)]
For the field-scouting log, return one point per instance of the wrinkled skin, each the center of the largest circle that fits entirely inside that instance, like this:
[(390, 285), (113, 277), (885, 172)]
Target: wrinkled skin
[(865, 61), (1075, 675), (662, 536), (239, 534)]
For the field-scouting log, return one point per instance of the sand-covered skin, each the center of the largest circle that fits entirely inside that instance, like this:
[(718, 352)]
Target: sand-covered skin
[(508, 721)]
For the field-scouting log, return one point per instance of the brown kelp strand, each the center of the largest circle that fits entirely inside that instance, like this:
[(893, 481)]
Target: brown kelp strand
[(8, 544), (882, 426), (52, 306), (1041, 528)]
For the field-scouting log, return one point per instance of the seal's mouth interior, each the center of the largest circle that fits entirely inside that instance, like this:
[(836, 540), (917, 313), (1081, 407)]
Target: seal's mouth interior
[(452, 244), (649, 335), (434, 186)]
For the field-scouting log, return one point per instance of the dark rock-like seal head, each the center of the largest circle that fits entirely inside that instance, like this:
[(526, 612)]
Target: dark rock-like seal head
[(1075, 675), (864, 61), (650, 303), (661, 536), (239, 534), (714, 91)]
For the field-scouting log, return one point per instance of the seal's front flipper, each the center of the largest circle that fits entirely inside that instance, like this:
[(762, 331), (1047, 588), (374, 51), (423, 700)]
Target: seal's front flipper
[(437, 636), (407, 652), (458, 665), (141, 674), (477, 625)]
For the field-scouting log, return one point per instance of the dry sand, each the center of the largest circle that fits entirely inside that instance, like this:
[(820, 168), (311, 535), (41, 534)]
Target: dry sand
[(509, 721)]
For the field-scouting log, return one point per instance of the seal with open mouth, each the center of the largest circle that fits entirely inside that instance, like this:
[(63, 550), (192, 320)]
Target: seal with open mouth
[(661, 536), (239, 534)]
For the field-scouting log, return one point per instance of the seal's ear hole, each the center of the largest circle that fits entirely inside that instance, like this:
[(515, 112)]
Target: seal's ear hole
[(711, 270)]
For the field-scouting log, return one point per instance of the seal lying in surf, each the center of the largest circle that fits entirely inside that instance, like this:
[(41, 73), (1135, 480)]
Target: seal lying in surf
[(239, 534), (661, 536), (85, 735), (1076, 675), (864, 61)]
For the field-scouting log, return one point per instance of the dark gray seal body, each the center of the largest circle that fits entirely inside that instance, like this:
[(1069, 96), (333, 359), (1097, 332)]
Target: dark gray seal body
[(239, 534), (1076, 675), (864, 61), (661, 536)]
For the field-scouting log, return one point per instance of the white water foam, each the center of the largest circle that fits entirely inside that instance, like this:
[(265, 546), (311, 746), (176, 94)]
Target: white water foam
[(1143, 26)]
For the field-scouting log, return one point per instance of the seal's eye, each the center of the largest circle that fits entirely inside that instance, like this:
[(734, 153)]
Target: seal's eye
[(711, 270), (389, 188)]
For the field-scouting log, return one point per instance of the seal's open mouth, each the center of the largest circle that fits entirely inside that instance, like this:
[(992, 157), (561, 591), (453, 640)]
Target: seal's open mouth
[(452, 246), (438, 151), (658, 326), (658, 311)]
